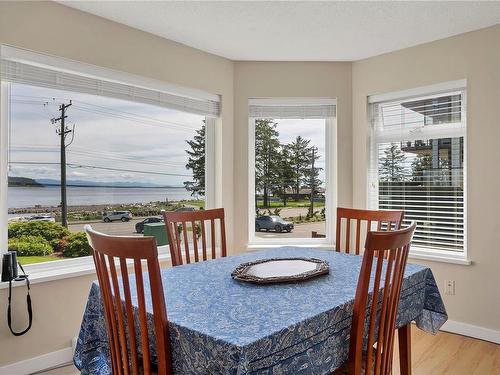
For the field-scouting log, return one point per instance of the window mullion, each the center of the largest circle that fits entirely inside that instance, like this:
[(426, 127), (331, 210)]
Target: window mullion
[(4, 163)]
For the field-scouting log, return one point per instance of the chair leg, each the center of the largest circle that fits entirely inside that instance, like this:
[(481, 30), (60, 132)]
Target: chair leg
[(404, 338)]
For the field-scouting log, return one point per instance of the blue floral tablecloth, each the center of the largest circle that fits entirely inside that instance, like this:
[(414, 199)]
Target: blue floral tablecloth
[(222, 326)]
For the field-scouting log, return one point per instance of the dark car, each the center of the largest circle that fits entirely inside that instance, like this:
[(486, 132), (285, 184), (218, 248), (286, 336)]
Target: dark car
[(275, 223), (139, 227)]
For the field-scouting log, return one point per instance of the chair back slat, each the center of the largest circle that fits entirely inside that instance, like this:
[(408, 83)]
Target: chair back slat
[(194, 233), (387, 252), (120, 315), (129, 312), (129, 347), (186, 243), (204, 221), (143, 319), (212, 229), (203, 239), (354, 218)]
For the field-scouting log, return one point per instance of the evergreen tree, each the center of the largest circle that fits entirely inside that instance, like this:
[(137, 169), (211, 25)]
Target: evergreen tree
[(299, 161), (267, 147), (419, 165), (391, 165), (285, 173), (311, 176), (196, 163)]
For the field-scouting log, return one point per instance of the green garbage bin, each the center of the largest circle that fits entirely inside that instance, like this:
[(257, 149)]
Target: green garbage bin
[(158, 231)]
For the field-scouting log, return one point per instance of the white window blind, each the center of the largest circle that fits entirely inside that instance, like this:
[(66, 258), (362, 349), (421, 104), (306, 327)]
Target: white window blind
[(417, 164), (292, 108), (46, 76)]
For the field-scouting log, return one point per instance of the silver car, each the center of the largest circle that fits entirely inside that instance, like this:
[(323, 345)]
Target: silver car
[(117, 215), (42, 217), (273, 222)]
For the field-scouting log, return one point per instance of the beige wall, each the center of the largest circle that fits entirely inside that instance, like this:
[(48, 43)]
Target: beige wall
[(57, 30), (288, 79), (476, 57), (61, 31)]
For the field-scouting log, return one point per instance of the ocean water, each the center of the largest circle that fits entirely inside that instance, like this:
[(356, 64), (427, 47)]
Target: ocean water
[(22, 197)]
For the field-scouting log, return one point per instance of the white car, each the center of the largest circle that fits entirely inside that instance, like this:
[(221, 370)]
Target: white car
[(117, 215), (42, 217)]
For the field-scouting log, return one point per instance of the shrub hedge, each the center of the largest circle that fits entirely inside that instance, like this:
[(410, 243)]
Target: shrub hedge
[(30, 245), (33, 238), (52, 232), (75, 245)]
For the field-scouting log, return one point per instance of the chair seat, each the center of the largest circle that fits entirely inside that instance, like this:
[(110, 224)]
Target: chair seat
[(343, 370)]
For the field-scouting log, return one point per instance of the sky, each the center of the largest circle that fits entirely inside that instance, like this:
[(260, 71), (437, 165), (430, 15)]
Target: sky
[(117, 134), (109, 133)]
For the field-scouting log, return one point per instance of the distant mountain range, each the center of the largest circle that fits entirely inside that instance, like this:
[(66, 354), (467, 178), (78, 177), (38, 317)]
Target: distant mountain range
[(24, 181)]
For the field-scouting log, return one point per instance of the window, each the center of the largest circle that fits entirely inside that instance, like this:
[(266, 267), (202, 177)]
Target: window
[(128, 152), (418, 164), (292, 170)]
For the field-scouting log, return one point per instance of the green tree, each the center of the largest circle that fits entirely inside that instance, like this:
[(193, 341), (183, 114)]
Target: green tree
[(391, 165), (285, 173), (196, 163), (299, 161), (311, 176), (267, 148), (419, 165)]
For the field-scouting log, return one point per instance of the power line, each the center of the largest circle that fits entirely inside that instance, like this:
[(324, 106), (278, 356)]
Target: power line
[(109, 111), (94, 153), (71, 165)]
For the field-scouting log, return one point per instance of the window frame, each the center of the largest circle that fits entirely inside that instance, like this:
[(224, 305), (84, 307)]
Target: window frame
[(419, 252), (63, 268), (331, 157)]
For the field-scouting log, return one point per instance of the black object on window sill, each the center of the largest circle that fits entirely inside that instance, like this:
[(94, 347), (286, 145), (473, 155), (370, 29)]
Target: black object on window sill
[(10, 273)]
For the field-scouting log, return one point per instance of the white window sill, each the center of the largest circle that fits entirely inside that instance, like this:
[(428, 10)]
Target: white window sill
[(266, 245), (67, 268), (439, 256)]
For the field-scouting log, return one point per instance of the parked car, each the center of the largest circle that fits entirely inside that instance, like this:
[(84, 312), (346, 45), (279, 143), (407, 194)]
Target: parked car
[(42, 217), (275, 223), (139, 227), (117, 215)]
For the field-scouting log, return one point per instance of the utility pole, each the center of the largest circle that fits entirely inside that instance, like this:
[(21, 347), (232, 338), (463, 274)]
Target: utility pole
[(62, 131), (313, 179)]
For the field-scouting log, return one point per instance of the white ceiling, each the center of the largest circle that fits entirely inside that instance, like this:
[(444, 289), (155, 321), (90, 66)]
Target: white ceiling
[(303, 31)]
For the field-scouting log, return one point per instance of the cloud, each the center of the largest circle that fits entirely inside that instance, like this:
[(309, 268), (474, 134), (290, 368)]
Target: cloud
[(109, 133)]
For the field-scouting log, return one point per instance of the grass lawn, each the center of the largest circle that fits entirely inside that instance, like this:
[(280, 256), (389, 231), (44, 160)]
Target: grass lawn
[(37, 259), (291, 204)]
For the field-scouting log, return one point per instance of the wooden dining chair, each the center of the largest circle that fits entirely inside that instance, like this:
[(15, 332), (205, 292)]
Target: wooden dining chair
[(178, 225), (108, 252), (387, 251), (357, 221)]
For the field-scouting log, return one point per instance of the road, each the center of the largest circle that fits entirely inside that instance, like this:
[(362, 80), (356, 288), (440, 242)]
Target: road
[(300, 231), (128, 229), (116, 227)]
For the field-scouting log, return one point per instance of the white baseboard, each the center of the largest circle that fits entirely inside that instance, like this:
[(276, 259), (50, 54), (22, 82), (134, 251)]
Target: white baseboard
[(40, 363), (470, 330)]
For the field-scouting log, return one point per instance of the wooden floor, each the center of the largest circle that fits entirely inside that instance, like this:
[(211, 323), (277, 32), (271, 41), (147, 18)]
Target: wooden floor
[(442, 354)]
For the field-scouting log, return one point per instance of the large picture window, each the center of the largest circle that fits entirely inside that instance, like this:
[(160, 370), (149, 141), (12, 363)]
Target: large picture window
[(124, 154), (291, 170), (418, 165)]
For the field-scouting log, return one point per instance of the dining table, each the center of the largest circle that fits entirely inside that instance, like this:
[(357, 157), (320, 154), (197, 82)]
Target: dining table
[(219, 325)]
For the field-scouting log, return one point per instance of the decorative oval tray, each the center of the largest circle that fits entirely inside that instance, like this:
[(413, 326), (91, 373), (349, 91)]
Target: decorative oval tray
[(280, 270)]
